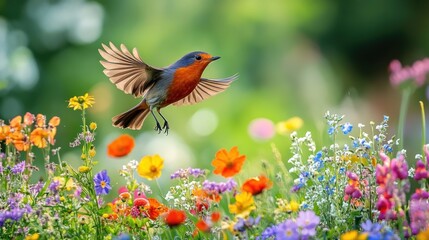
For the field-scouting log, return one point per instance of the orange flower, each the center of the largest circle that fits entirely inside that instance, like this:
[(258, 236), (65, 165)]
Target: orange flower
[(121, 146), (256, 185), (202, 226), (28, 119), (4, 132), (38, 137), (203, 194), (16, 123), (19, 140), (154, 208), (215, 216), (229, 163), (175, 217)]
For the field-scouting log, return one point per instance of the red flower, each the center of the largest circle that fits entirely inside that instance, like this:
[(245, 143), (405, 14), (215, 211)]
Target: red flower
[(154, 208), (121, 146), (175, 217), (256, 185)]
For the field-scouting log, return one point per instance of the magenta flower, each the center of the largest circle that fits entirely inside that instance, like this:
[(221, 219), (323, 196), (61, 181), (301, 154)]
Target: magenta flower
[(419, 215), (102, 183), (417, 71), (420, 194), (399, 167), (421, 172)]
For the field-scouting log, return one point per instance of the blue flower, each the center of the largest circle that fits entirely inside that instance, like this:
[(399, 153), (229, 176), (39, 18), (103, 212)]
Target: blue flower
[(346, 128), (102, 183), (331, 130), (267, 233)]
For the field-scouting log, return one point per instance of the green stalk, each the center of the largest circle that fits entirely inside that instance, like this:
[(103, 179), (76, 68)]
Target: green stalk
[(422, 108), (406, 93)]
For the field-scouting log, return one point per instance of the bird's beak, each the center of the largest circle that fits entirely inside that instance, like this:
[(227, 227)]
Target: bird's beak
[(214, 58)]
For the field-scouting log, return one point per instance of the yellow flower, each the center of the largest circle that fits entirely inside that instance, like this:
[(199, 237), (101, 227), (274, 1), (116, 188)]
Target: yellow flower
[(355, 159), (92, 126), (150, 167), (290, 125), (353, 235), (83, 169), (284, 206), (92, 152), (34, 236), (423, 235), (81, 102), (243, 205)]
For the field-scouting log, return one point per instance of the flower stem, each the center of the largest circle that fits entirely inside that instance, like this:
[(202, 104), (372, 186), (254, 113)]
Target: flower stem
[(422, 108), (406, 93)]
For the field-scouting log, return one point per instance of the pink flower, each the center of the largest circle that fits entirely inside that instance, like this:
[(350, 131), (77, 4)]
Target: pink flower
[(417, 71), (262, 129)]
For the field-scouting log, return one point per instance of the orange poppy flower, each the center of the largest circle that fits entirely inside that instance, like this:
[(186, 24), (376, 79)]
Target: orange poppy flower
[(227, 163), (175, 217), (203, 194), (256, 185), (4, 132), (19, 140), (40, 120), (16, 123), (155, 208), (121, 146)]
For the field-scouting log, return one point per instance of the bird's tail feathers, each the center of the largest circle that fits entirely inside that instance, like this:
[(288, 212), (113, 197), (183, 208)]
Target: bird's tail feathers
[(131, 119)]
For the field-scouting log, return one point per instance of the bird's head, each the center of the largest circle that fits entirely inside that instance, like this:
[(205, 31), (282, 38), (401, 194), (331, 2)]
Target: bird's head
[(201, 59)]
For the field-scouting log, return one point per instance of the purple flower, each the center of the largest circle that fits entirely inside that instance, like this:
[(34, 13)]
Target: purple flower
[(287, 230), (54, 186), (1, 167), (18, 168), (419, 215), (221, 187), (186, 173), (308, 222), (370, 227), (268, 233), (102, 183), (35, 188), (242, 224), (420, 194)]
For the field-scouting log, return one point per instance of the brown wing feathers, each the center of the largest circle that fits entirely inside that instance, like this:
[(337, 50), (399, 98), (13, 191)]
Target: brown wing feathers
[(127, 71)]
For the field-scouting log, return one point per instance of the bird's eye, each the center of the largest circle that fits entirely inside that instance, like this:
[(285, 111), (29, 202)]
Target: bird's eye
[(198, 57)]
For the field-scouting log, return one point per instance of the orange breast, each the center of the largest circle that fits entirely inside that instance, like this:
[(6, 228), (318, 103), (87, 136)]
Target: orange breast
[(184, 82)]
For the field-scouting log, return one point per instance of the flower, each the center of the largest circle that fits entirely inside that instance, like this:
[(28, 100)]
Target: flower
[(423, 235), (175, 217), (186, 173), (221, 187), (353, 235), (18, 168), (417, 72), (121, 146), (308, 222), (287, 230), (421, 172), (261, 129), (92, 126), (81, 102), (346, 128), (202, 225), (229, 163), (243, 205), (154, 208), (102, 183), (290, 125), (256, 185), (150, 167)]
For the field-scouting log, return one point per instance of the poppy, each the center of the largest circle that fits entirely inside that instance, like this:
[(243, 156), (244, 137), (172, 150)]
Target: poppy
[(154, 208), (175, 217), (256, 185), (121, 146)]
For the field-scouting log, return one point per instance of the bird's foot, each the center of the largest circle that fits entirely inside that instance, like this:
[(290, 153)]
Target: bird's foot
[(166, 127), (158, 127)]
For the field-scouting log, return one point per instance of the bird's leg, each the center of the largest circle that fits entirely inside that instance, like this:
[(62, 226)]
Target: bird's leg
[(166, 126), (158, 126)]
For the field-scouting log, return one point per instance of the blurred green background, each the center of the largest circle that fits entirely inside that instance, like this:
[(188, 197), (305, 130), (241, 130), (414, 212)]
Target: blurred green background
[(295, 58)]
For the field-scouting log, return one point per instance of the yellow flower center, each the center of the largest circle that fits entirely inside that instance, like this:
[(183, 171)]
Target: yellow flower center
[(288, 232), (103, 184), (153, 169)]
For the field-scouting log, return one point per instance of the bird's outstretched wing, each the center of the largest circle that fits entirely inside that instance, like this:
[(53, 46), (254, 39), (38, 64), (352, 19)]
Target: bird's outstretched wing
[(127, 71), (205, 89)]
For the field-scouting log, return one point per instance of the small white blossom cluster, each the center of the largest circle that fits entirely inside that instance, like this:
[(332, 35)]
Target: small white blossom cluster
[(181, 195)]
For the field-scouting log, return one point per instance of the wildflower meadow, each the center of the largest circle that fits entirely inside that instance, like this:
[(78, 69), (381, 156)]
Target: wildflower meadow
[(362, 185)]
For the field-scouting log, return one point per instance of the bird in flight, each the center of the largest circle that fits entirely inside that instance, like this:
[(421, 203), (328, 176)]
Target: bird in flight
[(178, 84)]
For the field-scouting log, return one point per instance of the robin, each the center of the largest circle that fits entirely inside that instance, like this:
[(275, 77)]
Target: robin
[(178, 84)]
